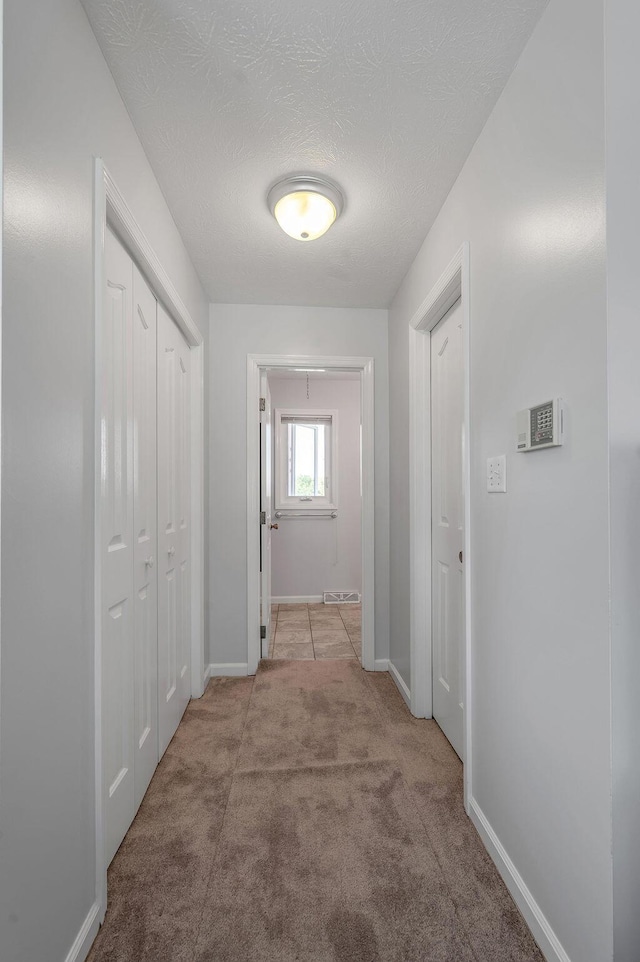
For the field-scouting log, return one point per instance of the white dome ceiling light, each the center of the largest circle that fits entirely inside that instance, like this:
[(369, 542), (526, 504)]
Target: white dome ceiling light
[(305, 206)]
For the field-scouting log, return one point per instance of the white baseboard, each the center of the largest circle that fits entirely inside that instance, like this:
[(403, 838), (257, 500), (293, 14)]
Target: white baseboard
[(400, 684), (381, 664), (207, 675), (229, 668), (549, 943), (85, 937), (297, 600)]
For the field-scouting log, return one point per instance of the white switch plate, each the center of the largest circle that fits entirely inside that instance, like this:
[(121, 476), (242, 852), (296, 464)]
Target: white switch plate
[(497, 473)]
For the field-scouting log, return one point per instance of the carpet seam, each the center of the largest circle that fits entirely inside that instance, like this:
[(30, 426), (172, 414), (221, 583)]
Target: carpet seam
[(399, 737), (226, 808), (315, 766), (388, 760), (412, 802)]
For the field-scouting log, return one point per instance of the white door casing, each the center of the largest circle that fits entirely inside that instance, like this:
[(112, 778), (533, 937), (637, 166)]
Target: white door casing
[(145, 570), (174, 658), (447, 524), (266, 496), (116, 542)]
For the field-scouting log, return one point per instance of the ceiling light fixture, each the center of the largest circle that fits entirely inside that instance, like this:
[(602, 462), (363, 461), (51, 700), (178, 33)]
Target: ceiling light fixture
[(305, 206)]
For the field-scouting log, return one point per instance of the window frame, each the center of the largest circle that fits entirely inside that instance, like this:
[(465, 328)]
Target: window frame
[(309, 503)]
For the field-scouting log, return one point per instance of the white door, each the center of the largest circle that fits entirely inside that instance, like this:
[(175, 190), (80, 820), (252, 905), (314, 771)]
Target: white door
[(266, 496), (117, 549), (145, 571), (447, 522), (174, 674)]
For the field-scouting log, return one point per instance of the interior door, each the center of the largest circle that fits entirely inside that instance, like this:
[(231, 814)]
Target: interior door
[(174, 645), (145, 571), (447, 520), (116, 546), (266, 497)]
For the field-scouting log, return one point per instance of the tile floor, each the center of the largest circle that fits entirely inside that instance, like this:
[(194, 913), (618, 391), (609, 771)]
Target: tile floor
[(312, 632)]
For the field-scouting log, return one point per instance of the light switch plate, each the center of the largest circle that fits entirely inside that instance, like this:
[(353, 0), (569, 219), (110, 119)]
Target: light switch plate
[(497, 474)]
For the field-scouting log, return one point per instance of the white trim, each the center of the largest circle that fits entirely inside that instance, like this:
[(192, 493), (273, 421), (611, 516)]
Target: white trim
[(230, 669), (365, 366), (452, 285), (111, 208), (85, 937), (297, 600), (99, 228), (254, 620), (400, 684), (124, 224), (197, 521), (443, 295), (367, 475), (381, 664), (206, 676), (420, 524), (547, 940)]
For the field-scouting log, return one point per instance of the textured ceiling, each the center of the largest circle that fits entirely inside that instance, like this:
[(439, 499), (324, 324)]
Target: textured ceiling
[(384, 96)]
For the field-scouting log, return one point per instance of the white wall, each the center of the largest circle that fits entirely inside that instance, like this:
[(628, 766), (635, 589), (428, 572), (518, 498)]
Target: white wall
[(311, 556), (622, 28), (530, 200), (238, 330), (61, 110)]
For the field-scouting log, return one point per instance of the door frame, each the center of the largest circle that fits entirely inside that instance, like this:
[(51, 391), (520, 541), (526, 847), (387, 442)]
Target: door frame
[(365, 366), (267, 459), (111, 208), (453, 285)]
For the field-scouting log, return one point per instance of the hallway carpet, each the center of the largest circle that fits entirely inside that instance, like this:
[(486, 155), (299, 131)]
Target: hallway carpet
[(305, 816)]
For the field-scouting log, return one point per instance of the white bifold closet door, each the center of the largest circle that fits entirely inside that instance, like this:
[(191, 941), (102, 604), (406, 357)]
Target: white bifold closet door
[(117, 546), (145, 528), (145, 486), (174, 534)]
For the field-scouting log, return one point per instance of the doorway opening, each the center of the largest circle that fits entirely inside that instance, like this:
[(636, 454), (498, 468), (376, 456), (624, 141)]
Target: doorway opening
[(311, 564), (310, 489)]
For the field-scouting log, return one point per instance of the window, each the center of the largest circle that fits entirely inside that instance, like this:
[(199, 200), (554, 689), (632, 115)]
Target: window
[(305, 459), (306, 455)]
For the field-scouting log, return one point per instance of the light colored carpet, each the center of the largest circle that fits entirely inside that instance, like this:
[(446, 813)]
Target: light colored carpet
[(305, 816)]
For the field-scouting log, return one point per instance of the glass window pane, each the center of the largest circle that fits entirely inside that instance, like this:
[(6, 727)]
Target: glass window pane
[(304, 472), (320, 469), (307, 459)]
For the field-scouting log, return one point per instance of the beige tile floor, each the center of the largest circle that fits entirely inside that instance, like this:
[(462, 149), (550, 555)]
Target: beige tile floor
[(317, 631)]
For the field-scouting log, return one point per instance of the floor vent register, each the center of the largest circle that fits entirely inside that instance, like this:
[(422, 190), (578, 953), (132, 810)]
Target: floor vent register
[(341, 597)]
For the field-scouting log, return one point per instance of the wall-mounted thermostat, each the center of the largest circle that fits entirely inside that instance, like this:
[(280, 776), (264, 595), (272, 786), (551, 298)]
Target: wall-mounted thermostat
[(541, 426)]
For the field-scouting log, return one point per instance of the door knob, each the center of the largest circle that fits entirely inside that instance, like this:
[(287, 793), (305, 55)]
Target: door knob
[(460, 557), (149, 562), (274, 526), (171, 550)]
